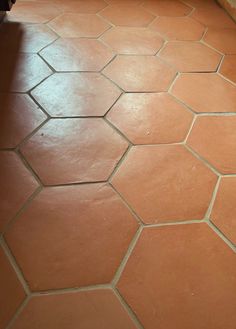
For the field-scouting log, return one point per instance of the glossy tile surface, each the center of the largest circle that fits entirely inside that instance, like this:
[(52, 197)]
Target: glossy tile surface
[(194, 267), (76, 94), (164, 192), (60, 157), (214, 138), (99, 222), (151, 118), (117, 165), (98, 308)]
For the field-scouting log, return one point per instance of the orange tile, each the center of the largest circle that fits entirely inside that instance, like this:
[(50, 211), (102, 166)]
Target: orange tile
[(91, 309), (74, 25), (224, 209), (127, 2), (26, 38), (33, 12), (60, 157), (151, 118), (140, 73), (178, 28), (16, 186), (11, 292), (76, 94), (201, 3), (205, 92), (127, 15), (214, 138), (180, 265), (133, 41), (213, 16), (164, 183), (167, 7), (21, 72), (223, 40), (228, 67), (77, 55), (99, 232), (19, 117), (81, 6), (190, 56)]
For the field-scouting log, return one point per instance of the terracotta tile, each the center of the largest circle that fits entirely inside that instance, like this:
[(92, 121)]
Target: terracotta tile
[(228, 67), (180, 265), (190, 56), (33, 12), (132, 41), (101, 227), (16, 186), (19, 117), (77, 55), (201, 3), (214, 138), (81, 6), (223, 214), (127, 2), (178, 28), (151, 118), (223, 40), (213, 16), (140, 73), (60, 157), (26, 38), (205, 92), (61, 93), (11, 291), (22, 72), (91, 309), (165, 183), (74, 25), (167, 7), (127, 15)]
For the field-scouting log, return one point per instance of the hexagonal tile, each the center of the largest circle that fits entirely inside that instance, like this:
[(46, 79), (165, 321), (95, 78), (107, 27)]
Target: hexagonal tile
[(91, 309), (77, 55), (165, 183), (60, 157), (19, 117), (213, 16), (81, 6), (205, 92), (151, 118), (223, 40), (180, 265), (190, 56), (33, 12), (178, 28), (11, 292), (228, 67), (79, 25), (21, 72), (127, 15), (140, 73), (214, 138), (76, 94), (132, 41), (101, 227), (223, 213), (16, 186), (167, 7), (26, 38)]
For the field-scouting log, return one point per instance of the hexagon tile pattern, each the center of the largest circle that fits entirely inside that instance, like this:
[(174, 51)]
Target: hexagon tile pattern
[(117, 165), (164, 183), (74, 150), (180, 265), (98, 221)]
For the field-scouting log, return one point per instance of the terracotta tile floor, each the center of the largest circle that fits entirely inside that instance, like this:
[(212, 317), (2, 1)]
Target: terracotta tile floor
[(117, 165)]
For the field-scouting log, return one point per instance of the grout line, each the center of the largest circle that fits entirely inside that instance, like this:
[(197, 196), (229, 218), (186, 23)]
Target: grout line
[(190, 129), (221, 235), (209, 210), (174, 223), (117, 131), (128, 309), (18, 312), (119, 163)]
